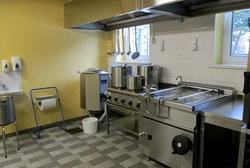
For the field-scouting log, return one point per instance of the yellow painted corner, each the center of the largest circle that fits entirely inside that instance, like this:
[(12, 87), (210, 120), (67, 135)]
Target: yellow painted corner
[(51, 55)]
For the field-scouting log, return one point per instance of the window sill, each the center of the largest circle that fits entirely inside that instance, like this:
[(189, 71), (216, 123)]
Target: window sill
[(229, 66), (133, 62)]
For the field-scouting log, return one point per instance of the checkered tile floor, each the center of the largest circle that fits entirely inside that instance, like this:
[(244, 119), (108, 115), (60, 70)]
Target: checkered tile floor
[(57, 148)]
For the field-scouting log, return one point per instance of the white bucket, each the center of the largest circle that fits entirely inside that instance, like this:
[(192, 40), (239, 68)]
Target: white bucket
[(90, 125)]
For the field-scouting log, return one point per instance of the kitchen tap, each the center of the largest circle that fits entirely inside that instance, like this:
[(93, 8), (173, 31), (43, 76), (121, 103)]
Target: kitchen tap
[(180, 83)]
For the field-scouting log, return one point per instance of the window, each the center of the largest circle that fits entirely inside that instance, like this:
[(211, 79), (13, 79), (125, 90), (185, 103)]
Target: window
[(240, 33), (129, 41), (235, 37)]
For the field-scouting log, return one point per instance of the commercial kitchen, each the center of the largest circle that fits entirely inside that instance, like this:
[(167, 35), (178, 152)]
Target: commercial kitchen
[(125, 83)]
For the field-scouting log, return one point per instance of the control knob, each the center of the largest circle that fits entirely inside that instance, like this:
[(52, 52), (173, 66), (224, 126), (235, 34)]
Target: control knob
[(109, 97), (123, 101), (130, 103), (116, 99)]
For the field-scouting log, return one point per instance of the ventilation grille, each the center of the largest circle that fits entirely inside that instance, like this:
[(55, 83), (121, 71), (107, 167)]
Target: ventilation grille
[(123, 17), (197, 2)]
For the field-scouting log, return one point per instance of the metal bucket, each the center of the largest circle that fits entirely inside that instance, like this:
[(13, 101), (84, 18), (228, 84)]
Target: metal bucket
[(7, 110)]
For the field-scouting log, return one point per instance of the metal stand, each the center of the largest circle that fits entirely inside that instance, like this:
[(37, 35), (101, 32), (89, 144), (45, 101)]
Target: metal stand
[(107, 109), (4, 139), (38, 128)]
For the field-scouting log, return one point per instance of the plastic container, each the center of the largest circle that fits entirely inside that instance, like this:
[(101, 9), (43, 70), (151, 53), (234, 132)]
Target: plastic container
[(90, 125)]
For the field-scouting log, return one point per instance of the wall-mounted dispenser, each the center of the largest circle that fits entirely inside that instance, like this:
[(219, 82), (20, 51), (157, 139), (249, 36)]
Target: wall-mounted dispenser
[(5, 66), (16, 63)]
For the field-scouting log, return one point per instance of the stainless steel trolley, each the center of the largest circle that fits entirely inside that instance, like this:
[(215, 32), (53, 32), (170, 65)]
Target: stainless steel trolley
[(56, 96)]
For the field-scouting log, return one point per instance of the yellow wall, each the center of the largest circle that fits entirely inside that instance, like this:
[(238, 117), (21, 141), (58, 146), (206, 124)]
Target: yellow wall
[(51, 54)]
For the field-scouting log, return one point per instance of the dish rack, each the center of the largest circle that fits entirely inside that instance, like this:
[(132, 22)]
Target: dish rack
[(34, 100)]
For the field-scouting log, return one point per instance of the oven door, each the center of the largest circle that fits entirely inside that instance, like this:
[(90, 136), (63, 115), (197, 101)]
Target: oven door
[(165, 143)]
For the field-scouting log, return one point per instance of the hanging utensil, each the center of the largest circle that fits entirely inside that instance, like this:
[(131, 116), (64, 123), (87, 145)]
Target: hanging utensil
[(136, 54), (118, 42), (123, 50), (129, 47), (114, 41)]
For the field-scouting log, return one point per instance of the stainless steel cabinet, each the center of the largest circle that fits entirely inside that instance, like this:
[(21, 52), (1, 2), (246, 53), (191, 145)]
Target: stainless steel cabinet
[(223, 142), (155, 141)]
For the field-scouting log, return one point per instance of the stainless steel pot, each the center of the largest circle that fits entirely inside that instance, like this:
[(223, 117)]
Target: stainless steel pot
[(150, 73), (146, 71), (7, 110), (134, 82), (119, 74)]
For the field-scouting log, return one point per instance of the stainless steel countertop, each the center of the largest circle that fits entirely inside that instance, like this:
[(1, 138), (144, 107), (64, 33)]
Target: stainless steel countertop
[(231, 110)]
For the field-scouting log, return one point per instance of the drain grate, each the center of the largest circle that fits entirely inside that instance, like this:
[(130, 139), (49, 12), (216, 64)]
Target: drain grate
[(74, 130)]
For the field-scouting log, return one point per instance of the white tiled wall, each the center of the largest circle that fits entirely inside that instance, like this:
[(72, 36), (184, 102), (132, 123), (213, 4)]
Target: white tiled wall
[(179, 59)]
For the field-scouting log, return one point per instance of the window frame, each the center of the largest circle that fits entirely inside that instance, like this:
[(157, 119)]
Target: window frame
[(127, 58), (227, 58)]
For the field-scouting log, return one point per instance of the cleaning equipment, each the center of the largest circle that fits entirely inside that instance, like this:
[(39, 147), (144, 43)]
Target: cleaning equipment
[(90, 125), (45, 103)]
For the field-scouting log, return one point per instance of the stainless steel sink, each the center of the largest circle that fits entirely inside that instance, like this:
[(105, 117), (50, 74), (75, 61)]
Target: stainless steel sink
[(16, 92), (189, 97)]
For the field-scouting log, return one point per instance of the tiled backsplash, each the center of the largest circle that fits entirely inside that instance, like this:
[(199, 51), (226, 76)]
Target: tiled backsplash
[(179, 59)]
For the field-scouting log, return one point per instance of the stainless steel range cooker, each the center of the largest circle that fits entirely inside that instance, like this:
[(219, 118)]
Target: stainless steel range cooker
[(124, 104)]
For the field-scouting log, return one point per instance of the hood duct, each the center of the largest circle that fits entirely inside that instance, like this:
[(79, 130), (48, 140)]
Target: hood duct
[(114, 14)]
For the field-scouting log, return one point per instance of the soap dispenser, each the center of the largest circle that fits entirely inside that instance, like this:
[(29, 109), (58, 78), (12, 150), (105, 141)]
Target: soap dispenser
[(5, 66), (16, 63)]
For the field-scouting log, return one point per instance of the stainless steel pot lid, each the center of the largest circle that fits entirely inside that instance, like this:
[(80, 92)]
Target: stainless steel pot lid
[(145, 65), (133, 76), (119, 66)]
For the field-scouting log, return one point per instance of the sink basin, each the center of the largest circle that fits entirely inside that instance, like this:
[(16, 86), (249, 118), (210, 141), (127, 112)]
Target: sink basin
[(17, 92)]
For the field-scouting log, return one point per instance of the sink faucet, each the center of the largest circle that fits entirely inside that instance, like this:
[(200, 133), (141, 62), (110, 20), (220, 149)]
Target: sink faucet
[(180, 83)]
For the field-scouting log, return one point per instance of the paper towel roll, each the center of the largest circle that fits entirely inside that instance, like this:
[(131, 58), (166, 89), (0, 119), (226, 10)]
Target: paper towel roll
[(47, 104)]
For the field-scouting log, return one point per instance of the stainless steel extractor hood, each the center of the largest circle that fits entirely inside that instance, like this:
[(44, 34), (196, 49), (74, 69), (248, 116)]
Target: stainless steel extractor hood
[(114, 14)]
